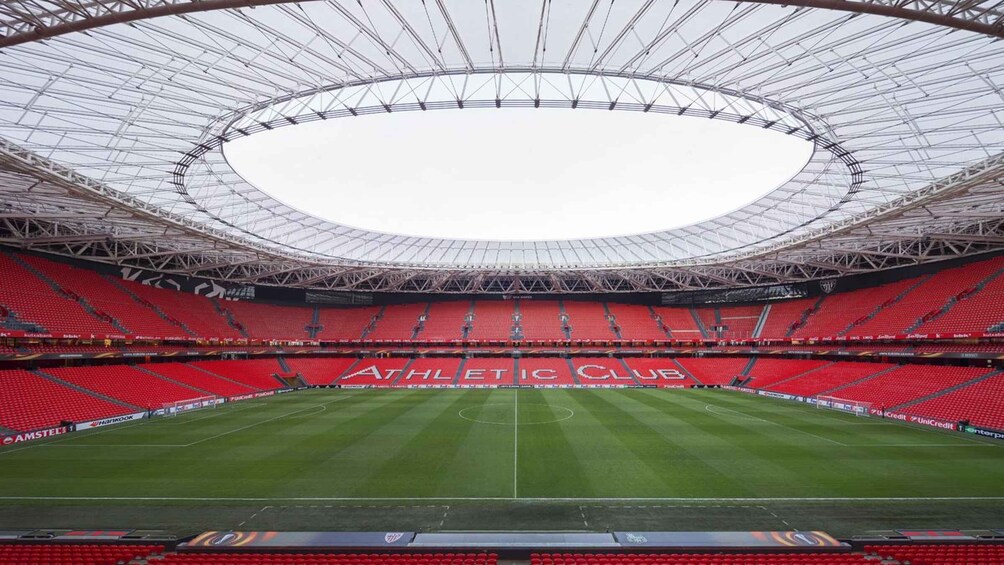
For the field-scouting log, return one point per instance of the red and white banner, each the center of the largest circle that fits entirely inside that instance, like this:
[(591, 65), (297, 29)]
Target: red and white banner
[(29, 436)]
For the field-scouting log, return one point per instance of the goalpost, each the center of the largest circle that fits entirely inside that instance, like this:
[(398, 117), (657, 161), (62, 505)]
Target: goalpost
[(180, 406), (857, 407)]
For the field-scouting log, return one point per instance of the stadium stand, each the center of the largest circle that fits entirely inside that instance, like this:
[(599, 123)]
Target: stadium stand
[(979, 310), (785, 315), (486, 372), (636, 322), (981, 403), (31, 304), (929, 298), (541, 320), (427, 372), (738, 322), (75, 554), (827, 378), (201, 380), (940, 554), (126, 384), (199, 315), (602, 371), (268, 321), (492, 321), (256, 373), (906, 383), (800, 558), (106, 298), (346, 323), (661, 371), (837, 313), (588, 321), (679, 322), (712, 370), (766, 371), (544, 371), (31, 402), (445, 321), (397, 322), (320, 371), (373, 372)]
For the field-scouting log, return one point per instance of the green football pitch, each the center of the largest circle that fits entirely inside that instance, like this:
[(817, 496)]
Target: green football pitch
[(503, 459)]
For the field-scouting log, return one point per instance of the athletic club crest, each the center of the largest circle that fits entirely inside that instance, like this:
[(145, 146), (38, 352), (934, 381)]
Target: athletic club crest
[(392, 537), (827, 286)]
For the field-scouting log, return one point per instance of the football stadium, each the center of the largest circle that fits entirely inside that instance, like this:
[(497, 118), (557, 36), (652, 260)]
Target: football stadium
[(534, 282)]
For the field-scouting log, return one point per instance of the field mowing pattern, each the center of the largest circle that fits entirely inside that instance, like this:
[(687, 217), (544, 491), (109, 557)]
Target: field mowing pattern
[(507, 458)]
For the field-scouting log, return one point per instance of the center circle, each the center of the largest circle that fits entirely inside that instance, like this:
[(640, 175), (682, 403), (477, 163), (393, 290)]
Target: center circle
[(504, 414)]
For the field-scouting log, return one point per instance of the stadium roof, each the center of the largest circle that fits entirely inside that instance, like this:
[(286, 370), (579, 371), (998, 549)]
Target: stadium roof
[(113, 115)]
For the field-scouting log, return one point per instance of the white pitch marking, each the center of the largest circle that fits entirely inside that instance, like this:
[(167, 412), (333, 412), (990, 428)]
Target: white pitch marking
[(515, 441), (460, 413), (748, 416)]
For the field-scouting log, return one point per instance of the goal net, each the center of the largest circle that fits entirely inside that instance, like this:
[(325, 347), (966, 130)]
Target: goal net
[(856, 407), (181, 406)]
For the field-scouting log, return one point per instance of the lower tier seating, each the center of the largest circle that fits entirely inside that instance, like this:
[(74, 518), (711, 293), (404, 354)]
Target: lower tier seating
[(941, 554), (31, 402), (74, 554), (126, 384), (256, 373), (698, 559), (201, 380)]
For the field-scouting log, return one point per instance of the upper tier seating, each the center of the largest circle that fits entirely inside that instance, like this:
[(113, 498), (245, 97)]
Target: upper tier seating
[(827, 378), (267, 321), (784, 315), (907, 383), (199, 379), (197, 313), (929, 298), (398, 322), (31, 402), (247, 558), (978, 311), (679, 321), (941, 554), (766, 371), (445, 321), (541, 320), (256, 373), (32, 300), (126, 384), (74, 554), (837, 312), (588, 320), (739, 321), (346, 323), (981, 403), (320, 371), (636, 322), (107, 298), (492, 320), (801, 558)]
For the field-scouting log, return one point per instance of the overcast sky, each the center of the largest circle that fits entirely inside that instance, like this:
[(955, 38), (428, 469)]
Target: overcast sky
[(517, 173)]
